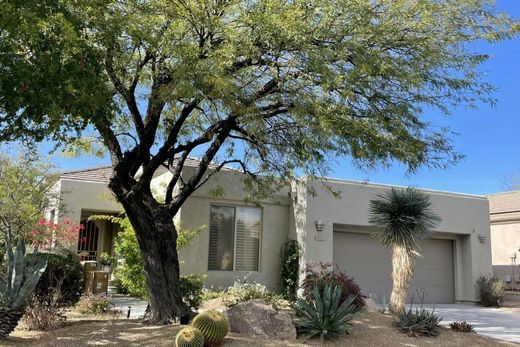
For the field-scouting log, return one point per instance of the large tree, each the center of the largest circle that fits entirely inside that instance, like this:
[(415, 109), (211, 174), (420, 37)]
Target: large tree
[(272, 87)]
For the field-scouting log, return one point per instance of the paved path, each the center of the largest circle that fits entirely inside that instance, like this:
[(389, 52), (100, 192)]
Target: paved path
[(137, 306), (499, 323)]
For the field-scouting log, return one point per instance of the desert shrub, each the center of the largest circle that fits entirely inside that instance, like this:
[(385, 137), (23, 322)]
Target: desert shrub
[(324, 315), (64, 271), (321, 275), (60, 286), (243, 290), (420, 322), (491, 291), (93, 304), (191, 289), (290, 269), (463, 327)]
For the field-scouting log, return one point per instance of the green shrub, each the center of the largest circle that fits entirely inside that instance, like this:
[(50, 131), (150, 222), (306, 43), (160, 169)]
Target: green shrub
[(290, 269), (321, 275), (491, 291), (60, 286), (191, 289), (107, 259), (419, 323), (243, 290), (213, 324), (63, 270), (323, 316), (463, 327), (93, 304)]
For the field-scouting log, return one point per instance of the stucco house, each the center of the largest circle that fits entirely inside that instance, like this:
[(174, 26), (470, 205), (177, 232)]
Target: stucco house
[(504, 212), (239, 239)]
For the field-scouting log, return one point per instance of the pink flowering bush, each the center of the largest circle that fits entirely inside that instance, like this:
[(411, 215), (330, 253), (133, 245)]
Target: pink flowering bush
[(49, 234)]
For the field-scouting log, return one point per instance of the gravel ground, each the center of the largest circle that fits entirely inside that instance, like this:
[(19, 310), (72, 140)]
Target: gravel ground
[(371, 329)]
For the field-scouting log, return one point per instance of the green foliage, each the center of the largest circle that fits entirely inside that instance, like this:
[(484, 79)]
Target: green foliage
[(213, 324), (191, 289), (93, 304), (419, 323), (63, 272), (322, 275), (463, 327), (403, 217), (304, 79), (26, 192), (107, 259), (244, 290), (323, 316), (490, 291), (290, 269), (189, 337)]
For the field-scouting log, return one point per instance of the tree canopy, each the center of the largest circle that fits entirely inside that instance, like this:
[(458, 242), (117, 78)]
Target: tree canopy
[(26, 193), (276, 87)]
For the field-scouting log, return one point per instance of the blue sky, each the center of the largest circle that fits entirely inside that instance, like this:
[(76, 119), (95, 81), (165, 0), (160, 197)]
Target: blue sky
[(489, 136)]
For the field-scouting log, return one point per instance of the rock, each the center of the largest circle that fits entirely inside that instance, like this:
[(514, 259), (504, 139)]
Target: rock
[(256, 318), (370, 305)]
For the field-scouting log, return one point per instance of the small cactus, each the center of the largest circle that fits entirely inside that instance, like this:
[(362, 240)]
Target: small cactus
[(213, 324), (189, 337)]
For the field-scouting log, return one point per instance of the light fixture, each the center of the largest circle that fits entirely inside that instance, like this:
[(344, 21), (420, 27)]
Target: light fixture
[(481, 238), (320, 225)]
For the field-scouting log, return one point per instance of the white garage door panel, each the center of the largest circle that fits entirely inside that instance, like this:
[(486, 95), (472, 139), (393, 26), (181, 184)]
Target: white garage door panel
[(363, 258)]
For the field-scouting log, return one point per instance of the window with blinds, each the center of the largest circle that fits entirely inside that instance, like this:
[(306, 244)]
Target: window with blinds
[(234, 238)]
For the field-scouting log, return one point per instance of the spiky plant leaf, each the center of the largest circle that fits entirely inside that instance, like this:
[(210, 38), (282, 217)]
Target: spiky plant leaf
[(321, 317), (403, 217)]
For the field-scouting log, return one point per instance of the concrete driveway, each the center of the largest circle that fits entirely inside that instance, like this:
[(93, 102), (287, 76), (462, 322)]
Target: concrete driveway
[(498, 323)]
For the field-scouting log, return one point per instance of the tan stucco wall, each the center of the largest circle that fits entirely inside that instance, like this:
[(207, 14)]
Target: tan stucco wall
[(80, 196), (505, 243), (463, 219), (196, 213)]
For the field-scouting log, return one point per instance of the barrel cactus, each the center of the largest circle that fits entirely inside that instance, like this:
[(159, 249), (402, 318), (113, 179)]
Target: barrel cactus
[(189, 337), (23, 274), (213, 324)]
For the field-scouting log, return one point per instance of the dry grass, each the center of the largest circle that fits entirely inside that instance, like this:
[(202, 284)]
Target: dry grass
[(371, 329)]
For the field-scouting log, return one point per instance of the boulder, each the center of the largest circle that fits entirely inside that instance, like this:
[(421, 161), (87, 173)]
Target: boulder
[(256, 318)]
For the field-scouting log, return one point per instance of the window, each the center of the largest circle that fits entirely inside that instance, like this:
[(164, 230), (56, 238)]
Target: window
[(234, 238)]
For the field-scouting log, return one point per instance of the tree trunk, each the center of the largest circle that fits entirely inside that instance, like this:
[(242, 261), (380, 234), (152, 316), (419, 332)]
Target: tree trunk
[(9, 319), (402, 273), (157, 237)]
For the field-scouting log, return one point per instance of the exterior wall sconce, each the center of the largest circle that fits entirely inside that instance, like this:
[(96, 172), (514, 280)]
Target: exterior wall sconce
[(481, 238), (319, 230)]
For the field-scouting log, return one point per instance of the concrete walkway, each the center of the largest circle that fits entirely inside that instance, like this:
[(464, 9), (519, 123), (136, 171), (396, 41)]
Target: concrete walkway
[(498, 323), (123, 302)]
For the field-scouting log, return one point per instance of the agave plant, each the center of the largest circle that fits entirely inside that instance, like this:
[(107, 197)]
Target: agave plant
[(23, 274), (322, 316)]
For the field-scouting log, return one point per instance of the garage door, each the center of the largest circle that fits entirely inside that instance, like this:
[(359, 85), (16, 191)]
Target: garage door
[(362, 257)]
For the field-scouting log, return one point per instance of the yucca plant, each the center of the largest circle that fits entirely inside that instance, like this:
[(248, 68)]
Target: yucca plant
[(403, 219), (23, 274), (322, 316)]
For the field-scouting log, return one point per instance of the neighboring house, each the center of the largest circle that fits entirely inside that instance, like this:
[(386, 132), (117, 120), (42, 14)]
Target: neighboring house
[(504, 213), (238, 239)]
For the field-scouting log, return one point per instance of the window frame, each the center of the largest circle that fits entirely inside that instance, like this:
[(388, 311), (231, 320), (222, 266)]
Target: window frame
[(260, 243)]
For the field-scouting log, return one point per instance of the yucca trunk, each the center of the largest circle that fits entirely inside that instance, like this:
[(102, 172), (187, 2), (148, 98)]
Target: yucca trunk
[(402, 273), (9, 320)]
